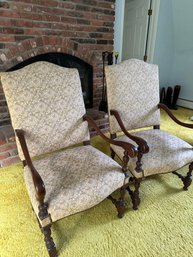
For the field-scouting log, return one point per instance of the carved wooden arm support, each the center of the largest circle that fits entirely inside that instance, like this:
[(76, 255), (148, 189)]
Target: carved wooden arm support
[(142, 144), (37, 180), (167, 110), (129, 148)]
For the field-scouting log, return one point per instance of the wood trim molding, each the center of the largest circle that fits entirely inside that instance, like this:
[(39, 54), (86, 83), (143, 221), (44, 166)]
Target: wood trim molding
[(185, 103)]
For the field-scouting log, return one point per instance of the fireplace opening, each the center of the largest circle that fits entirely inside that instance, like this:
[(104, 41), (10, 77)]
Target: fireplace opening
[(68, 61)]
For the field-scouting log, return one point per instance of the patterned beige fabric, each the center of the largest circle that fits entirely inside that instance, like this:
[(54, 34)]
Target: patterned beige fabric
[(45, 100), (167, 152), (75, 179), (133, 90)]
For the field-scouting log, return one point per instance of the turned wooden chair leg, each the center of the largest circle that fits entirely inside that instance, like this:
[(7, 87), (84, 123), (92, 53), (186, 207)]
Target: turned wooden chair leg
[(120, 204), (45, 226), (112, 154), (134, 194), (135, 197), (188, 179), (50, 245)]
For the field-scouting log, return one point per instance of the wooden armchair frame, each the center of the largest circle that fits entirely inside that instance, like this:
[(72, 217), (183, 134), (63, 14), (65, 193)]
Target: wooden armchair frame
[(54, 89), (187, 180), (40, 196), (143, 148), (129, 151), (170, 114)]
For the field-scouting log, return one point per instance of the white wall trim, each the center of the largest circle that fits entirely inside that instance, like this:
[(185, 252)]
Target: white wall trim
[(185, 103), (153, 30), (121, 34)]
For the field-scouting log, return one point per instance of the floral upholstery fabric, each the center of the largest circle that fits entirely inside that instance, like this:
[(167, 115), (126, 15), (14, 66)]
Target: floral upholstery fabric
[(75, 179), (45, 100), (167, 153), (133, 90)]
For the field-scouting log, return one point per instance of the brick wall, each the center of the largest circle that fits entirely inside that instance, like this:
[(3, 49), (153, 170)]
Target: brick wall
[(83, 28), (8, 149)]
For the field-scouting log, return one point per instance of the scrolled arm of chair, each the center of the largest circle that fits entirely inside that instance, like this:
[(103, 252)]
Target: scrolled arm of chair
[(37, 180), (142, 144), (170, 114), (129, 148)]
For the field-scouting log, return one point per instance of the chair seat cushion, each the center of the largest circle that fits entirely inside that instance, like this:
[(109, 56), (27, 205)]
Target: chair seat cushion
[(75, 179), (167, 153)]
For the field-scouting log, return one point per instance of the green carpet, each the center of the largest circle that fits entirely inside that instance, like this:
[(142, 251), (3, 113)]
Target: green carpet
[(162, 227)]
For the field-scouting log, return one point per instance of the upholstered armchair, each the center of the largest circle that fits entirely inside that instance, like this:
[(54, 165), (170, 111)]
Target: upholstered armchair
[(48, 114), (133, 103)]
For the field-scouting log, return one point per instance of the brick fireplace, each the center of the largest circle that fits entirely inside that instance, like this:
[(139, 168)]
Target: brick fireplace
[(29, 28)]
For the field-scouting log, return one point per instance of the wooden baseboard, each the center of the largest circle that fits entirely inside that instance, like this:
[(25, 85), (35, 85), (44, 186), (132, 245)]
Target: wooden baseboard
[(185, 103)]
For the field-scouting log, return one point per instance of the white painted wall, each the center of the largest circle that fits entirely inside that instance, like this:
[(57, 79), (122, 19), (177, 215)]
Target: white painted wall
[(174, 45), (164, 52), (182, 71)]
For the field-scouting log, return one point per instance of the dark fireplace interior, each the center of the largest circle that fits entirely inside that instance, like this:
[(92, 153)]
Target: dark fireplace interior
[(69, 61)]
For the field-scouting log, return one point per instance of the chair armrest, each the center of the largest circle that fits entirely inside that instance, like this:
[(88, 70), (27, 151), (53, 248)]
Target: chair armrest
[(129, 148), (170, 114), (142, 144), (37, 180)]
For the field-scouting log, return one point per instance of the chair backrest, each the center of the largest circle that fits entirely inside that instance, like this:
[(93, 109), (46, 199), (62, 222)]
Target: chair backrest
[(45, 100), (133, 90)]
